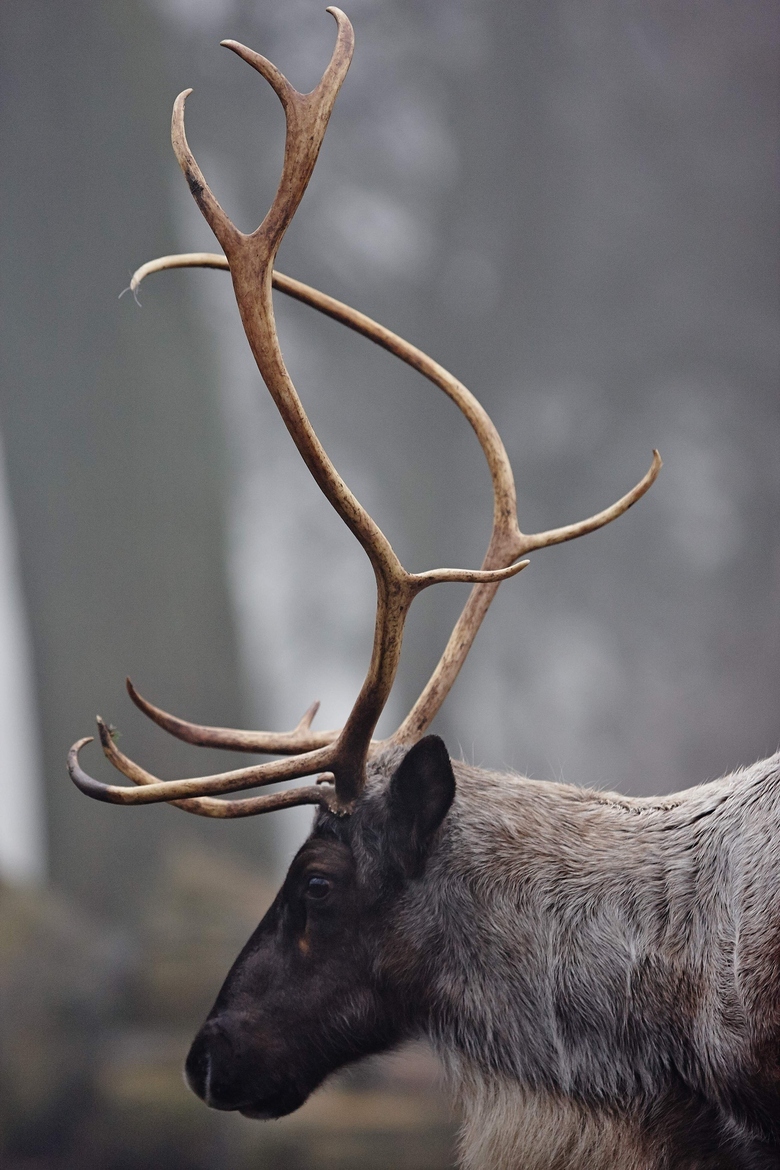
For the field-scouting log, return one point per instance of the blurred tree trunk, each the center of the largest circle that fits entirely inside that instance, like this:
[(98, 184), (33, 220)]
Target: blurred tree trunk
[(110, 427)]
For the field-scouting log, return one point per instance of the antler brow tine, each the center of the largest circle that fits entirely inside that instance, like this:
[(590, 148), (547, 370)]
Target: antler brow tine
[(285, 743), (204, 806)]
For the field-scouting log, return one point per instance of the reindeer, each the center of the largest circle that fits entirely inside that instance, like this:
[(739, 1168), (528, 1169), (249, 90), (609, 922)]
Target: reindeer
[(599, 973)]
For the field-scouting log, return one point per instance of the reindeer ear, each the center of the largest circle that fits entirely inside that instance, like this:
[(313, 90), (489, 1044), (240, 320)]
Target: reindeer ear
[(420, 794)]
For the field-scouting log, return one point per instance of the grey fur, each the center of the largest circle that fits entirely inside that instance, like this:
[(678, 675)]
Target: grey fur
[(603, 970)]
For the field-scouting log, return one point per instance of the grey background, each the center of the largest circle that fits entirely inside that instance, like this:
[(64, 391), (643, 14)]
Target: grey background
[(572, 206), (569, 205)]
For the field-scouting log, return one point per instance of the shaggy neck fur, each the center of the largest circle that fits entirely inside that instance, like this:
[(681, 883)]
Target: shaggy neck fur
[(602, 972)]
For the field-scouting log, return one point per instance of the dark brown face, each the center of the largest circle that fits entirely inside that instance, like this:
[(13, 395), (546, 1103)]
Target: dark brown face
[(310, 991)]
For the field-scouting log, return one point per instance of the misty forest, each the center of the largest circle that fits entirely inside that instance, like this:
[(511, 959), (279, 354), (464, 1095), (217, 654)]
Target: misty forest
[(573, 208)]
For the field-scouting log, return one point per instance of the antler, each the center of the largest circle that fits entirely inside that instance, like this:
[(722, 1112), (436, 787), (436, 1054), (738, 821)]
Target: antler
[(341, 754)]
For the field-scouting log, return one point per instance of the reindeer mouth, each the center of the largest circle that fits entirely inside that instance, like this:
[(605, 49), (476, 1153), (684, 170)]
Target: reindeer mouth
[(269, 1109), (262, 1113)]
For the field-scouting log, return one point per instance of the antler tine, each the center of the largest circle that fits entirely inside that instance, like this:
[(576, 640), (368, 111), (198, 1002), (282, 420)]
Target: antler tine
[(215, 216), (284, 743), (504, 545), (583, 527), (154, 791), (205, 806), (307, 119), (307, 116)]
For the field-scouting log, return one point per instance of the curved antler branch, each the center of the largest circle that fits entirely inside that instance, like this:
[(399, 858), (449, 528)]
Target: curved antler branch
[(300, 739), (583, 527), (153, 790), (467, 626), (204, 806), (212, 212), (182, 260), (274, 76), (307, 117), (468, 576)]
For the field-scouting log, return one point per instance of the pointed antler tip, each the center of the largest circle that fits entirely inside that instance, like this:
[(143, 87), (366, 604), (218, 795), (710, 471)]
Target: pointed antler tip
[(136, 697), (345, 36), (346, 33), (106, 736)]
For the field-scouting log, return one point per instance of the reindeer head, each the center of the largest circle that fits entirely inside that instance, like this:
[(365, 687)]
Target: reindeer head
[(310, 992), (325, 979)]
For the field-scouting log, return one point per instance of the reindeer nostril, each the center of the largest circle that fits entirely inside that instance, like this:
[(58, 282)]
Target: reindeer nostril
[(207, 1080), (213, 1068)]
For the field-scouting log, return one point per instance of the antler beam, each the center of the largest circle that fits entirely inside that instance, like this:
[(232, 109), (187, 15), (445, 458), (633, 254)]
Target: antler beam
[(342, 755)]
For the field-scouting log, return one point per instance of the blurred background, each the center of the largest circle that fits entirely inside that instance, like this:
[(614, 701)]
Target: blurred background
[(573, 206)]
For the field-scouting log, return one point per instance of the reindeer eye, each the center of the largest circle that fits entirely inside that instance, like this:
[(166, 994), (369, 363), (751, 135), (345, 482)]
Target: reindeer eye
[(317, 888)]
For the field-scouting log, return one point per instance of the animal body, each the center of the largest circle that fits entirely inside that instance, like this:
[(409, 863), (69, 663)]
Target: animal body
[(598, 973)]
